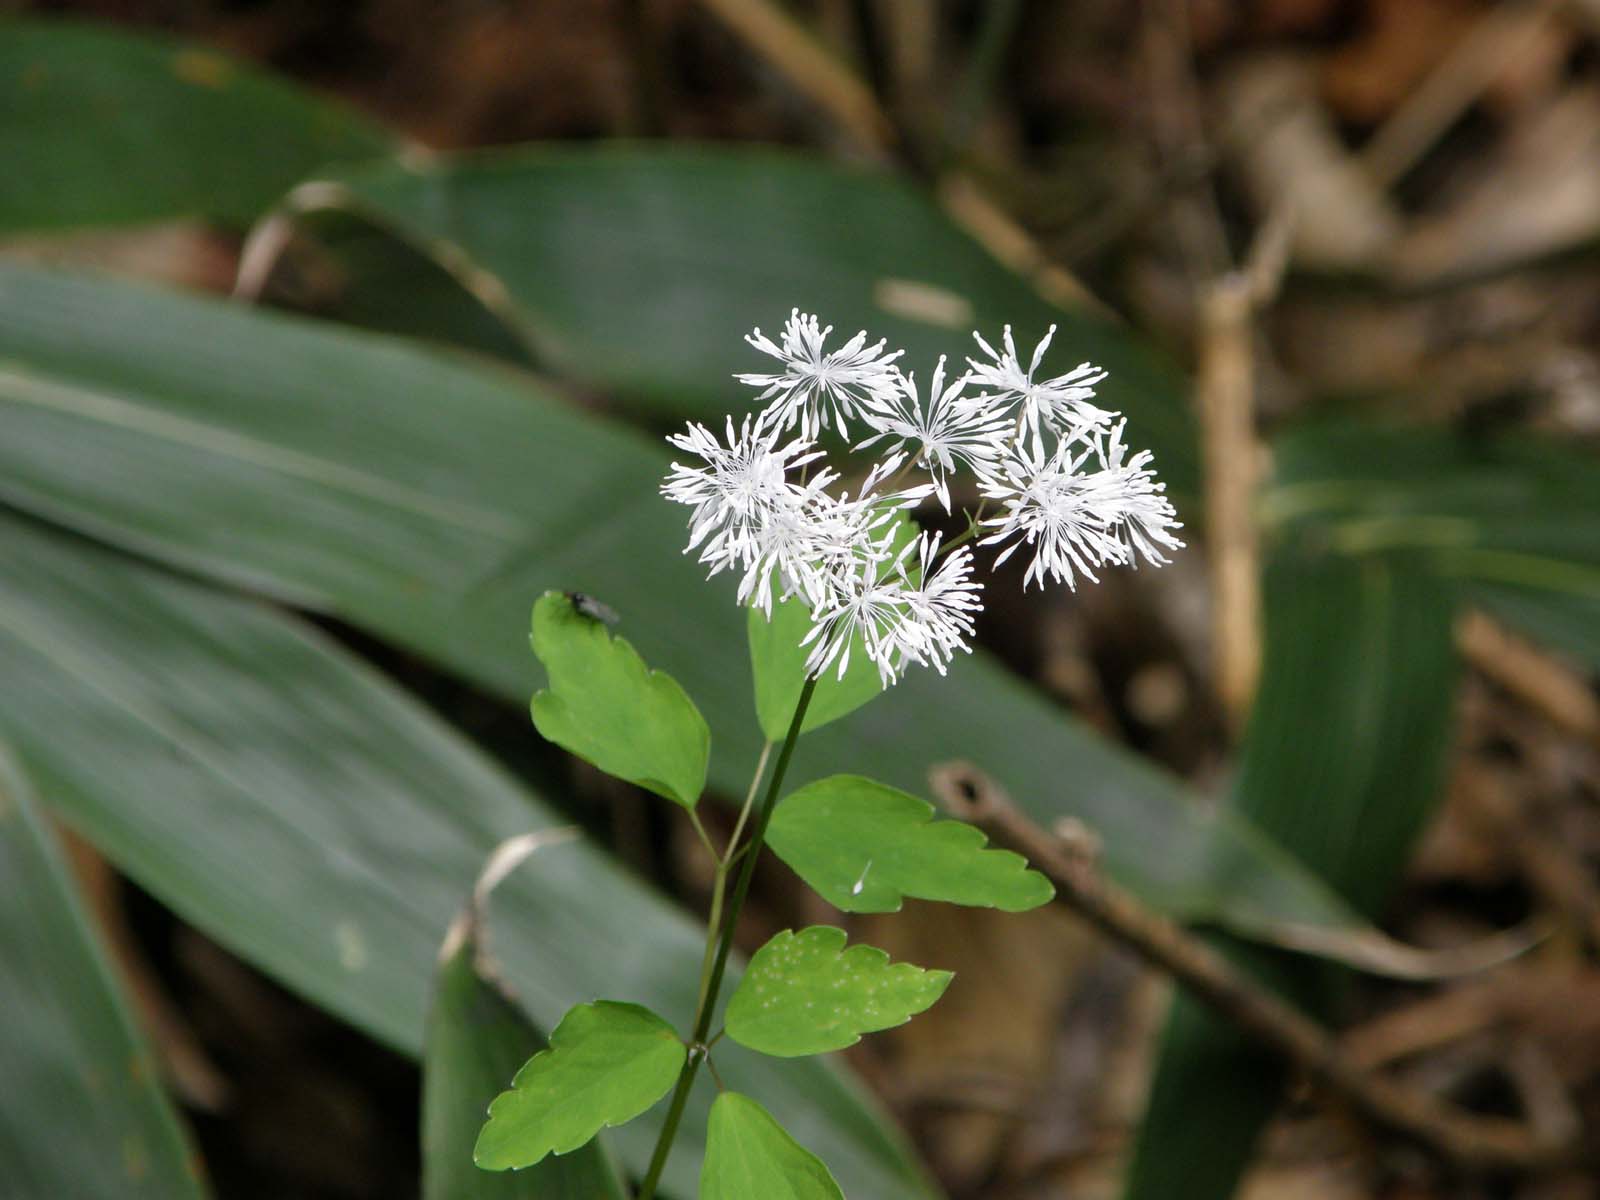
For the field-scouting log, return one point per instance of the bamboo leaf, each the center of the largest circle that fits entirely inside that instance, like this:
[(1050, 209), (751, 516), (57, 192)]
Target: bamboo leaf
[(804, 993), (117, 128), (199, 433), (640, 268), (82, 1112), (1344, 762), (1513, 521), (865, 847)]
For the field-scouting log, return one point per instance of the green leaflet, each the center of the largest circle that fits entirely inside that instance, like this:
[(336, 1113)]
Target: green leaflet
[(475, 1039), (778, 661), (804, 993), (608, 708), (80, 1109), (749, 1156), (607, 1063), (866, 846), (116, 129)]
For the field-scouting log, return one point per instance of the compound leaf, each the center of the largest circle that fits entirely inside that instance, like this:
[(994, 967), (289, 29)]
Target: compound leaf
[(608, 708), (804, 993), (607, 1063), (865, 846)]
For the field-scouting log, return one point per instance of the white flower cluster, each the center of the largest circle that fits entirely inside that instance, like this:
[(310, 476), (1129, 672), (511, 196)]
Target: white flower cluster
[(1049, 464)]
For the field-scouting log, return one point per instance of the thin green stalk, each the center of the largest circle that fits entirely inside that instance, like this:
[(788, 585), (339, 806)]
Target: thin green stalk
[(712, 984), (967, 534), (724, 861), (749, 803)]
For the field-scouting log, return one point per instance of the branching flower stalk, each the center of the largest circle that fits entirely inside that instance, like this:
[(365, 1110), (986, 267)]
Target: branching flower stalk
[(846, 593), (903, 600)]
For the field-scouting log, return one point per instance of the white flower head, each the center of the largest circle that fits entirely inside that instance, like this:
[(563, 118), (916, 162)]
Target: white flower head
[(817, 387), (736, 490), (944, 606), (1059, 405), (1079, 515), (770, 509), (867, 597), (1126, 489), (944, 432)]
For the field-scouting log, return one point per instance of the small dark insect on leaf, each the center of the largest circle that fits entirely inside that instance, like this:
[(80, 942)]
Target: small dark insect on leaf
[(592, 608)]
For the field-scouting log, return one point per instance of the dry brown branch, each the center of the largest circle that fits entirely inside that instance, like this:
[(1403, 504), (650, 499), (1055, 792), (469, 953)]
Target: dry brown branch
[(1225, 392), (998, 233), (809, 66), (1543, 683), (1559, 876), (1454, 84), (1225, 396), (1465, 1140), (1427, 1024)]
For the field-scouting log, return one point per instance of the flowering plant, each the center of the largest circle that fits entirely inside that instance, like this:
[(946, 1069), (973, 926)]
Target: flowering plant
[(845, 594)]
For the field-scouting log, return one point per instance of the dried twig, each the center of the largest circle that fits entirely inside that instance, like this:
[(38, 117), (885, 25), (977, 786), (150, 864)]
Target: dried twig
[(998, 232), (1464, 1139), (1455, 83), (1558, 875), (1534, 677), (809, 66), (1225, 393)]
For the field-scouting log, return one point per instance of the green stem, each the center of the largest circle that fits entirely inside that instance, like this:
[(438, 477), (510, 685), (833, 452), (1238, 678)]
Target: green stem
[(967, 534), (724, 860), (711, 985), (749, 803)]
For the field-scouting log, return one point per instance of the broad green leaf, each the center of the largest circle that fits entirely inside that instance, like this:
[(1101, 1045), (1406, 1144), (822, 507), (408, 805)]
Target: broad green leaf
[(288, 801), (82, 1111), (1344, 762), (778, 663), (199, 432), (343, 266), (1345, 753), (1515, 520), (748, 1154), (476, 1039), (608, 708), (104, 127), (1213, 1092), (606, 1064), (804, 993), (865, 847), (640, 268)]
